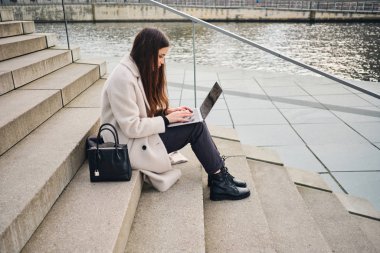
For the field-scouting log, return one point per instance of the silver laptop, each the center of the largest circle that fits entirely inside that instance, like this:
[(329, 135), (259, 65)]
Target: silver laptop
[(200, 114)]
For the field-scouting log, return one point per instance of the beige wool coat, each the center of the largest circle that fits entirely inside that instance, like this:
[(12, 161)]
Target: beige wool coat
[(124, 105)]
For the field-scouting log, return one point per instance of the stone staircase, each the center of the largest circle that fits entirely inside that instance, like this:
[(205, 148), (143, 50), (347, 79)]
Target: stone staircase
[(50, 103)]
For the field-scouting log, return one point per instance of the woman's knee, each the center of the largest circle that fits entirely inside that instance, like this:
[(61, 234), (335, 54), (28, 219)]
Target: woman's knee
[(200, 127)]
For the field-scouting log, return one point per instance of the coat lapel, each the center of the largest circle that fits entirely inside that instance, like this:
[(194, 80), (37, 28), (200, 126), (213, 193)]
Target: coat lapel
[(143, 92), (131, 65)]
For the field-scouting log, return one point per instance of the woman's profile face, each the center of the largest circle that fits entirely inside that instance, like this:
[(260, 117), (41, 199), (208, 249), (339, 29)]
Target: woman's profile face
[(161, 55)]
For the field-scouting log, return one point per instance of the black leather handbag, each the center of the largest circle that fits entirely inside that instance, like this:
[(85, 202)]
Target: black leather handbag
[(108, 161)]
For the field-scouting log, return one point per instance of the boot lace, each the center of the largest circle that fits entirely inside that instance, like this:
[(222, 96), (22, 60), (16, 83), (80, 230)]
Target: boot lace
[(228, 175), (225, 169)]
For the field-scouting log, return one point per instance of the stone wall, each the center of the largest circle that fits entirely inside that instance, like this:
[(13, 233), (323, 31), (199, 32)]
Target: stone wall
[(142, 12)]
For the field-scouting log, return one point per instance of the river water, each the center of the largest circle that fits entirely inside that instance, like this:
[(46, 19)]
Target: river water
[(347, 50)]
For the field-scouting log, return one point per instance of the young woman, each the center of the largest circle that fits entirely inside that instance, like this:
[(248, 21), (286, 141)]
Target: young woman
[(135, 101)]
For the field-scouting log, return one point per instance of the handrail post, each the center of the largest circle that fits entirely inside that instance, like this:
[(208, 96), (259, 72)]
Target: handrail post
[(194, 67), (64, 18)]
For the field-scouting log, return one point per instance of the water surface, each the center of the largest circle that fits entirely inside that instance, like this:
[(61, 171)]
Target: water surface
[(348, 50)]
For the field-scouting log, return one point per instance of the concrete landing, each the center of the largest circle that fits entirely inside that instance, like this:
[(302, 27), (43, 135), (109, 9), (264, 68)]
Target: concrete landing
[(312, 123)]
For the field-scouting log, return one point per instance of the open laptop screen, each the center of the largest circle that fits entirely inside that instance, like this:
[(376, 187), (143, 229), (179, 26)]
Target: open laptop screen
[(210, 100)]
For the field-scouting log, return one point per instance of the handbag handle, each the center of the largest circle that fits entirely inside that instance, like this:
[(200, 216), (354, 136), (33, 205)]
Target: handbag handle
[(115, 136), (112, 130)]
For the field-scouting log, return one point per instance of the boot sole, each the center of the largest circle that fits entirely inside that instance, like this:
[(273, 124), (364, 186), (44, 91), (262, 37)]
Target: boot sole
[(218, 197)]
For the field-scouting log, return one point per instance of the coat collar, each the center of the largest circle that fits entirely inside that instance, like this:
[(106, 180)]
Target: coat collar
[(131, 65)]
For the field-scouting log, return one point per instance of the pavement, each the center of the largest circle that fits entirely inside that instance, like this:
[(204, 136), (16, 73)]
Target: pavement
[(312, 122)]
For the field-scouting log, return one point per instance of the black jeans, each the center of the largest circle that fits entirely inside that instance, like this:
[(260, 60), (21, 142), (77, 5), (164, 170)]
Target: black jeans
[(199, 137)]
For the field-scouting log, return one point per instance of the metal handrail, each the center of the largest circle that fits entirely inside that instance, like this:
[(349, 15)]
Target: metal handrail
[(265, 49), (65, 20)]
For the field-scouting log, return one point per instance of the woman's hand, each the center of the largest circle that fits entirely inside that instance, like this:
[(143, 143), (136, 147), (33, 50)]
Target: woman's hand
[(179, 116), (181, 108)]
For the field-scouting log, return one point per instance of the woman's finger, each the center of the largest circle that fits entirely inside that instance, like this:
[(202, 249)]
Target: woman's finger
[(182, 108)]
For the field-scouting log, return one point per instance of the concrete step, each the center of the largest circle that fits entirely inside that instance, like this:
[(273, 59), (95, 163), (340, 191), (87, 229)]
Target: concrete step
[(292, 227), (358, 206), (6, 82), (37, 169), (6, 15), (262, 154), (235, 226), (24, 110), (223, 132), (100, 62), (91, 97), (28, 107), (308, 179), (371, 229), (366, 216), (16, 46), (171, 221), (72, 80), (75, 51), (14, 28), (86, 219), (106, 222), (10, 28), (338, 227), (30, 67), (51, 38)]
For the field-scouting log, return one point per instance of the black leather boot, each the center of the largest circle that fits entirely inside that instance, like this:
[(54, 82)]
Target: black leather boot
[(237, 182), (223, 188)]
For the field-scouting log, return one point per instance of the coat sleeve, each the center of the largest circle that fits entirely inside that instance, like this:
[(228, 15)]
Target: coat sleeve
[(126, 103)]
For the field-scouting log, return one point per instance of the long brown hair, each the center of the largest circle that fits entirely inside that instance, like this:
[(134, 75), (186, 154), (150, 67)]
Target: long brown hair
[(145, 54)]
